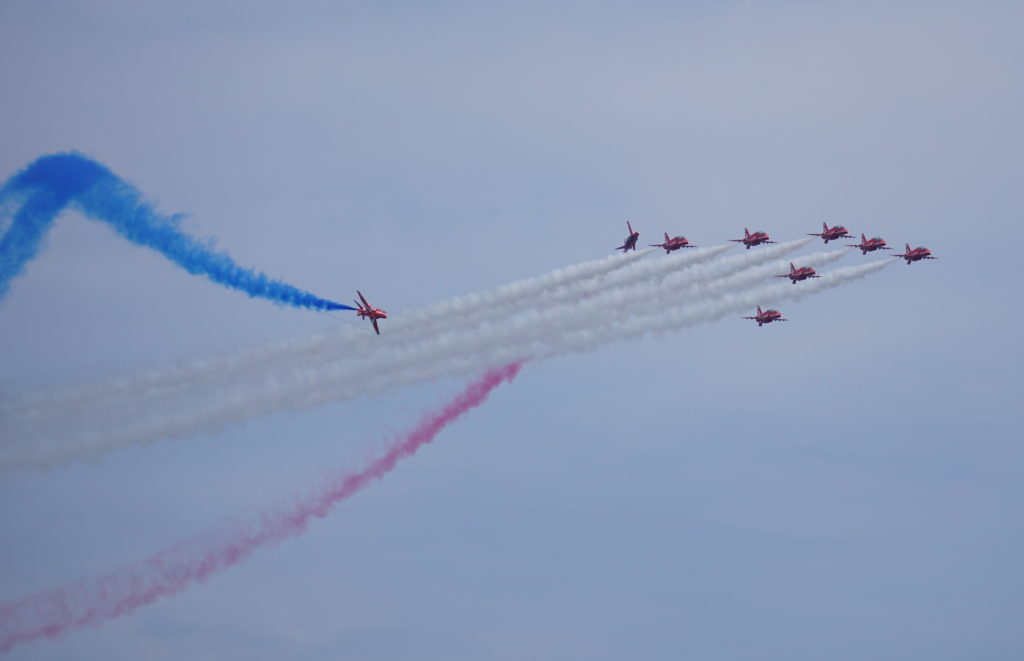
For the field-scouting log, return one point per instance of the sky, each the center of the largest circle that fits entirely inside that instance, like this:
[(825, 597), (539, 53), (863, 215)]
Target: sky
[(842, 486)]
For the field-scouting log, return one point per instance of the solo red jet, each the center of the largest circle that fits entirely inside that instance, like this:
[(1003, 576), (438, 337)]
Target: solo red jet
[(870, 245), (674, 243), (367, 311), (766, 317), (801, 273), (755, 239), (831, 233), (916, 254), (630, 243)]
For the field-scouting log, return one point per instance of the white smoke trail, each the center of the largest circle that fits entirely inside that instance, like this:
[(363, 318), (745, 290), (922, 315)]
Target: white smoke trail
[(129, 393), (529, 334), (689, 313), (83, 407), (620, 314), (280, 387), (135, 388)]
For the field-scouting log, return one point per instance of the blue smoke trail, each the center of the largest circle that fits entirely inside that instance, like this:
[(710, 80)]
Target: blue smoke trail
[(53, 182)]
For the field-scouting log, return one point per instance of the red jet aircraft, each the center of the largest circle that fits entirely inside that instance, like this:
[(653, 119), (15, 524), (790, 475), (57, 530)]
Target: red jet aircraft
[(870, 245), (367, 311), (630, 243), (917, 253), (831, 233), (766, 317), (674, 243), (801, 273), (755, 239)]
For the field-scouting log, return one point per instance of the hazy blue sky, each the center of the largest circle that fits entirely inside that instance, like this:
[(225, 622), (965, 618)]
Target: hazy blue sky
[(844, 486)]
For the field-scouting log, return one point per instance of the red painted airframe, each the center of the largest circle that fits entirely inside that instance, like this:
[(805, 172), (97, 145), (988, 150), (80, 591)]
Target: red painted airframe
[(674, 243), (916, 254), (367, 311), (870, 245), (766, 317), (755, 239), (630, 243), (831, 233), (801, 273)]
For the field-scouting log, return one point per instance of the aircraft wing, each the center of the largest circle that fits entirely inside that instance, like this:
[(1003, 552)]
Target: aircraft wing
[(363, 299), (373, 320)]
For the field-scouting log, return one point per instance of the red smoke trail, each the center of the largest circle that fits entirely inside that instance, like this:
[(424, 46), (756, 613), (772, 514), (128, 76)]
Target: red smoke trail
[(121, 591)]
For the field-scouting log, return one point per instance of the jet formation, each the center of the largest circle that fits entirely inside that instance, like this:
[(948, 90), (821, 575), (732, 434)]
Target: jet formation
[(750, 239), (795, 275)]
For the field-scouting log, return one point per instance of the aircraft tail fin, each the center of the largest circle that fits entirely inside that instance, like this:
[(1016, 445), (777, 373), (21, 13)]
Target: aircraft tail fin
[(666, 237), (759, 310), (792, 269)]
